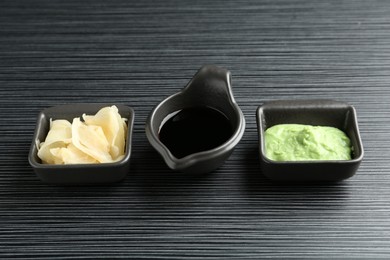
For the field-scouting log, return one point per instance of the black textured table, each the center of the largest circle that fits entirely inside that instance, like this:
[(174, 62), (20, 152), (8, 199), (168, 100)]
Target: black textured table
[(137, 53)]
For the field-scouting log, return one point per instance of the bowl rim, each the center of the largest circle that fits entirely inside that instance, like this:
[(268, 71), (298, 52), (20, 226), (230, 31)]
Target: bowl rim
[(33, 147), (181, 163), (306, 103)]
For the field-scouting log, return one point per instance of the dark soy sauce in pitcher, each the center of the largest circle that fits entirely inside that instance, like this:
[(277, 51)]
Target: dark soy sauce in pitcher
[(195, 129)]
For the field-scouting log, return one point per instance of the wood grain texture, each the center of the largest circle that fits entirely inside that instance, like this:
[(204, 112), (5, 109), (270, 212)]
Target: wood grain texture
[(139, 52)]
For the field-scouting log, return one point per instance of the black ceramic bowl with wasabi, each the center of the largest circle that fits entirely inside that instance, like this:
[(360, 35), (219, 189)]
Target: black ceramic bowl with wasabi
[(309, 112), (79, 174)]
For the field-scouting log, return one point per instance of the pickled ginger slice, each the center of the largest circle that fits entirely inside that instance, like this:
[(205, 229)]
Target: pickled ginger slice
[(91, 140), (46, 155), (59, 135), (114, 128), (60, 130), (71, 155)]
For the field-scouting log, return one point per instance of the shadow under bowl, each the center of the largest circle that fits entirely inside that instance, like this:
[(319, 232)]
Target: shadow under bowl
[(79, 174), (310, 112)]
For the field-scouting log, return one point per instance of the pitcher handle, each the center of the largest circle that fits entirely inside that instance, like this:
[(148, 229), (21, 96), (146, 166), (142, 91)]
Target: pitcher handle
[(211, 80)]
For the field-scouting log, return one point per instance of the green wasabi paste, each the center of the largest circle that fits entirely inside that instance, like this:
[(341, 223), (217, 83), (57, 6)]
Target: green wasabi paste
[(294, 142)]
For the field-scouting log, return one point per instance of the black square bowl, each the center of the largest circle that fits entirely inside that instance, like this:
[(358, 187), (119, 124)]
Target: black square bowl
[(79, 174), (309, 112)]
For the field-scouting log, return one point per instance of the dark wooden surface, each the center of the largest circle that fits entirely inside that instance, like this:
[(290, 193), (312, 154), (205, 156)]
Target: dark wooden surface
[(139, 52)]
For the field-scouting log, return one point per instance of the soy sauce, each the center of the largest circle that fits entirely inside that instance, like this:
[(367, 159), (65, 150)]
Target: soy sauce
[(195, 129)]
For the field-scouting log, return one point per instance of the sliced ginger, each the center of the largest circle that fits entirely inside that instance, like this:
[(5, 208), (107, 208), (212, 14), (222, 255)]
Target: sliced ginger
[(99, 139)]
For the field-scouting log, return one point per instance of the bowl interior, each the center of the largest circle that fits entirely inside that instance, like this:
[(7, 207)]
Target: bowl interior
[(322, 113), (69, 112)]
